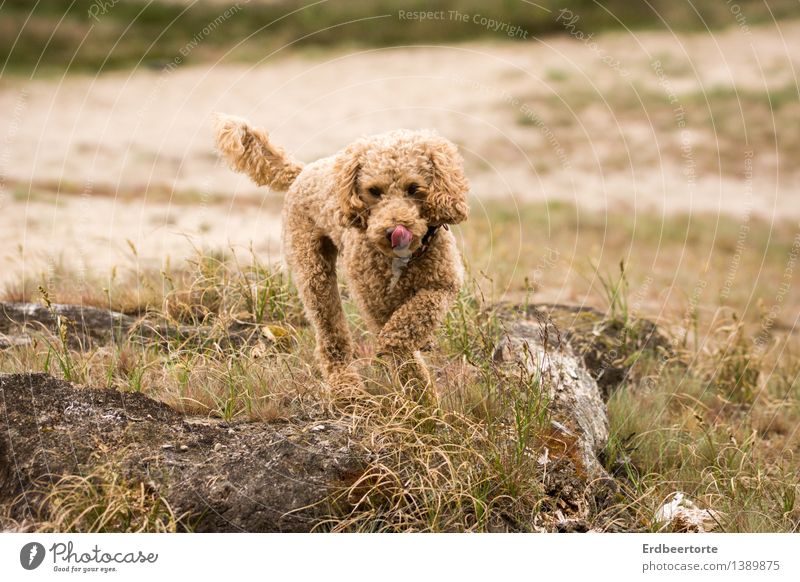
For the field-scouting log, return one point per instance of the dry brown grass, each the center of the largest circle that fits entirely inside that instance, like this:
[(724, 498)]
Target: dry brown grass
[(716, 417), (100, 501)]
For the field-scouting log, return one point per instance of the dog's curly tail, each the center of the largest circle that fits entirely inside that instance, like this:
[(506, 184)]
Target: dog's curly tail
[(248, 150)]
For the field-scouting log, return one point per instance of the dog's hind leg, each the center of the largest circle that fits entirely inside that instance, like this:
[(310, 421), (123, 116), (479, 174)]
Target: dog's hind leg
[(312, 259)]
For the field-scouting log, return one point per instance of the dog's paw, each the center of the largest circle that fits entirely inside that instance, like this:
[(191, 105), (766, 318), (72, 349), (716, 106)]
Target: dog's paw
[(411, 374), (346, 393), (345, 381)]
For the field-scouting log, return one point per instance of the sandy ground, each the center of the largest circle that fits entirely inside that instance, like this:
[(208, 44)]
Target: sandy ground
[(88, 164)]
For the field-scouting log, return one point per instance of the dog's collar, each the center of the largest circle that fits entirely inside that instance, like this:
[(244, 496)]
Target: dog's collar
[(400, 263), (426, 239)]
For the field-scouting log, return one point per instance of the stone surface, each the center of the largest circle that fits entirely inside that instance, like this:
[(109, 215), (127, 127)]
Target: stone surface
[(84, 327), (221, 476), (576, 407), (604, 344)]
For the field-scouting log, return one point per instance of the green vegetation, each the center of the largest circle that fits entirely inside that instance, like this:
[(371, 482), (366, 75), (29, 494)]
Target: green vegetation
[(678, 428), (96, 35)]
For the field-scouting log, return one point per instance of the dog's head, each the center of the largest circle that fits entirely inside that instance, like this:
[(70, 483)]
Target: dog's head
[(396, 185)]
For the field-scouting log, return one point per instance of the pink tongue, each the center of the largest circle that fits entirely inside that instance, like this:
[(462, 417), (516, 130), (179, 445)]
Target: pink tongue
[(401, 236)]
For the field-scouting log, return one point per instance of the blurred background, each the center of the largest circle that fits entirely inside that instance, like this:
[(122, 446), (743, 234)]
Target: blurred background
[(657, 137)]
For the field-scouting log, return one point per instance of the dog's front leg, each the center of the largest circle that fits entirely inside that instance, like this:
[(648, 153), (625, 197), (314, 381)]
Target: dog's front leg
[(410, 328), (313, 262)]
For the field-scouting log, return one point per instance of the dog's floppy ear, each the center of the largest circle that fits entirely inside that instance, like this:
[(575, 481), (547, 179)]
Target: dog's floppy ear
[(446, 202), (353, 209)]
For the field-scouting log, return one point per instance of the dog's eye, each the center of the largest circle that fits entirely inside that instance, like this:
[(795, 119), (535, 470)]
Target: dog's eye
[(412, 189), (376, 191)]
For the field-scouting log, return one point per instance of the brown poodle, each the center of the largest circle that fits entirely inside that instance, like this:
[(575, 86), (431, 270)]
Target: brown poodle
[(383, 204)]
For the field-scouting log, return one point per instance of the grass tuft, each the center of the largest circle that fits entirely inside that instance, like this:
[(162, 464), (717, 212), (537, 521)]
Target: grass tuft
[(102, 501)]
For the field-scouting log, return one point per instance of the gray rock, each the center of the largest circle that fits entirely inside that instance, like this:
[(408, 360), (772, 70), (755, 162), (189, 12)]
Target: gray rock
[(263, 477), (576, 407), (14, 341), (86, 326)]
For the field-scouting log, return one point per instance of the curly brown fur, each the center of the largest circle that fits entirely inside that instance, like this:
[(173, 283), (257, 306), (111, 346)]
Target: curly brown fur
[(371, 204), (249, 151)]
